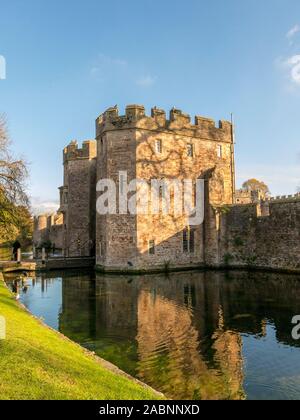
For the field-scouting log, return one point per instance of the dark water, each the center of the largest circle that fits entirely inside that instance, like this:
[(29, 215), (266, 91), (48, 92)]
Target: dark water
[(207, 335)]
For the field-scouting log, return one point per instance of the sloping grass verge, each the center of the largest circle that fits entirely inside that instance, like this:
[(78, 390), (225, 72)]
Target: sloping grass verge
[(37, 363)]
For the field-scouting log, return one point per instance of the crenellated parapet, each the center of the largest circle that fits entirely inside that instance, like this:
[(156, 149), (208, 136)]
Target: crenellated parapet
[(268, 200), (47, 220), (266, 207), (285, 198), (178, 122), (87, 151)]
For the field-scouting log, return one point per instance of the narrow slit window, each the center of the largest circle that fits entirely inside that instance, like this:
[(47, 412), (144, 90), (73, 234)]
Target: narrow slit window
[(185, 243), (122, 181), (188, 241), (161, 190), (192, 242), (152, 247), (190, 150), (220, 151), (195, 196), (158, 146)]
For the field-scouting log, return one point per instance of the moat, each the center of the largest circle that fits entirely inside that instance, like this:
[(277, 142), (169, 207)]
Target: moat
[(197, 335)]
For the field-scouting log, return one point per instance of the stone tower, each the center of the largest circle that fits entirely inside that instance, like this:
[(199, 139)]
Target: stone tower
[(78, 199), (170, 149)]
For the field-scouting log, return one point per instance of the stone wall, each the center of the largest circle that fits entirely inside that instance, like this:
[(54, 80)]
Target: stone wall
[(116, 234), (266, 235)]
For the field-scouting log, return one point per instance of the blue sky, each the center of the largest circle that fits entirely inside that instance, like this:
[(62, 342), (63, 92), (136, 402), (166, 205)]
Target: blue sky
[(69, 60)]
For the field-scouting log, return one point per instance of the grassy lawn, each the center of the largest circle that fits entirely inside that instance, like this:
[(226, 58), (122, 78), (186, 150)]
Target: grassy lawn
[(38, 363)]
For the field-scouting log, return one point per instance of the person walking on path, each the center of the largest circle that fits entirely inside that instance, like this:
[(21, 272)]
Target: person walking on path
[(16, 247)]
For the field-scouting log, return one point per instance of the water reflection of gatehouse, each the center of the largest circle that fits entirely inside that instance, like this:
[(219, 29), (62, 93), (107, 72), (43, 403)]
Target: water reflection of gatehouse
[(181, 334)]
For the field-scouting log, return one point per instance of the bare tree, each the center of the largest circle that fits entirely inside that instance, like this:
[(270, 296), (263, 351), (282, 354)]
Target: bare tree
[(13, 175)]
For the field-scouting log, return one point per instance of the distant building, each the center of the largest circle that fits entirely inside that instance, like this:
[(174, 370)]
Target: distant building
[(49, 230), (245, 196)]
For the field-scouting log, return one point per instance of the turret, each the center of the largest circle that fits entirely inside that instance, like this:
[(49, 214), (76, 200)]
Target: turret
[(88, 150)]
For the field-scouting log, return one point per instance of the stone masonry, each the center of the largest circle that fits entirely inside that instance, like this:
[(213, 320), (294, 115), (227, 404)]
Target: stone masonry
[(264, 235)]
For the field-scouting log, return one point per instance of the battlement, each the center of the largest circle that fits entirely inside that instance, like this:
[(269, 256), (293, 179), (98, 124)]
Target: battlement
[(280, 199), (73, 152), (267, 207), (246, 197), (178, 122), (47, 220), (285, 198)]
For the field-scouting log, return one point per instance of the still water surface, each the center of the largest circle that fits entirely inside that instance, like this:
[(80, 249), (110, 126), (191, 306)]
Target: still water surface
[(198, 335)]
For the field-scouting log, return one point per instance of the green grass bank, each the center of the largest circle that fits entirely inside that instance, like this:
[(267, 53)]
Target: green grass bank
[(37, 363)]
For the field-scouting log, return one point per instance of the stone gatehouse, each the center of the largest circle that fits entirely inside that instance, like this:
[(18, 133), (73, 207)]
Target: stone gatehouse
[(169, 148)]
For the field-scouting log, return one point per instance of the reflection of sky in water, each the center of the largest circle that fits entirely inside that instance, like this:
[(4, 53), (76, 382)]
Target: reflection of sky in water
[(272, 369), (189, 335), (44, 299)]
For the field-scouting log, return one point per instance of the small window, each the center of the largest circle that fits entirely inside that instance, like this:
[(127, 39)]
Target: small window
[(161, 191), (189, 241), (195, 195), (220, 151), (185, 241), (101, 250), (192, 242), (158, 146), (122, 182), (152, 247), (190, 150)]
